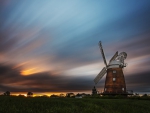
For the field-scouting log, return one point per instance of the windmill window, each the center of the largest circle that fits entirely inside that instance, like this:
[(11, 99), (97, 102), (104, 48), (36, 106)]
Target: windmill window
[(105, 89), (114, 79), (122, 89), (114, 71)]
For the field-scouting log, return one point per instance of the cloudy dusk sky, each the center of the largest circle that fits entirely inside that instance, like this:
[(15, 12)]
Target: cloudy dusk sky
[(52, 46)]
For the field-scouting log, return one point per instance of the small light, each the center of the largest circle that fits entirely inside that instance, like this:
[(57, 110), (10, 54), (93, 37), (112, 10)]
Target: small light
[(114, 71), (114, 79)]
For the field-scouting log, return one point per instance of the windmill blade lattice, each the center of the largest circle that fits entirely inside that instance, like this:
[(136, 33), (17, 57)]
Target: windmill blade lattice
[(114, 57), (100, 75)]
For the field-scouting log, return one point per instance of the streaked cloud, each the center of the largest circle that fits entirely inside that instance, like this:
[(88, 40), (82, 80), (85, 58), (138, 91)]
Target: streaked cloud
[(55, 43)]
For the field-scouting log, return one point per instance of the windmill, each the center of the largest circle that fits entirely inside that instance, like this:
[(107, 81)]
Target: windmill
[(115, 81)]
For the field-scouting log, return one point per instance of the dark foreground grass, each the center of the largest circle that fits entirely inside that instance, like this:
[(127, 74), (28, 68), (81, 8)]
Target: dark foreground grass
[(72, 105)]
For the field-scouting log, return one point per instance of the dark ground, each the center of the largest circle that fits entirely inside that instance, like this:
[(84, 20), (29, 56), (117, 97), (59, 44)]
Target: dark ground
[(10, 104)]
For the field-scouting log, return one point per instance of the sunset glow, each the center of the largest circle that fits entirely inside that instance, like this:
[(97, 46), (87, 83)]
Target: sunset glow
[(29, 72)]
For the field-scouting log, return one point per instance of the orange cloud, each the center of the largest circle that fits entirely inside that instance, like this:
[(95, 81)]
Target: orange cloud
[(29, 71)]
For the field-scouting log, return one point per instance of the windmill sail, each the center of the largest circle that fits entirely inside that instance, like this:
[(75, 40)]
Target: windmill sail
[(114, 57), (102, 52), (100, 75)]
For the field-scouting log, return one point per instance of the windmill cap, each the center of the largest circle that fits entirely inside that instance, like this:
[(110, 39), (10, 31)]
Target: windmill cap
[(124, 54)]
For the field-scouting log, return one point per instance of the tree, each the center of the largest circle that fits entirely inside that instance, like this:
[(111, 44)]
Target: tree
[(62, 95), (29, 94), (54, 96), (70, 95), (94, 91), (145, 95), (7, 93)]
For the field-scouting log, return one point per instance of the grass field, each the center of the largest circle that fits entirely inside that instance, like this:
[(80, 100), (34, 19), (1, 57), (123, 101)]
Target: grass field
[(72, 105)]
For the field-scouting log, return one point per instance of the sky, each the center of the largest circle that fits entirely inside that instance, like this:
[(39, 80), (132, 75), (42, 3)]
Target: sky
[(52, 45)]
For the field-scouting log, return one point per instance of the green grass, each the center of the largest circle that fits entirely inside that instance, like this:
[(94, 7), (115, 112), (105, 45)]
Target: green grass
[(72, 105)]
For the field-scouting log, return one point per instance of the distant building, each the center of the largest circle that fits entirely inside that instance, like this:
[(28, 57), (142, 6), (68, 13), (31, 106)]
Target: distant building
[(81, 95), (21, 95), (44, 96), (78, 96)]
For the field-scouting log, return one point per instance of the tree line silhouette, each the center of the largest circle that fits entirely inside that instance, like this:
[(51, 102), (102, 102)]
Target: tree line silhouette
[(94, 94), (7, 93)]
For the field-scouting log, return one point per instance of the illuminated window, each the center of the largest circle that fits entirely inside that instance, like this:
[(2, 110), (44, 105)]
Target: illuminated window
[(114, 71), (122, 89), (114, 79), (105, 89)]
